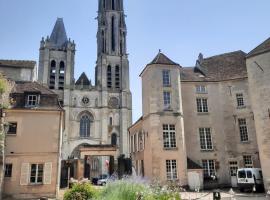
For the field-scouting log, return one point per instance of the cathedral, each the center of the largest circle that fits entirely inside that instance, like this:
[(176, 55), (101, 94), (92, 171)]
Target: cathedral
[(95, 113)]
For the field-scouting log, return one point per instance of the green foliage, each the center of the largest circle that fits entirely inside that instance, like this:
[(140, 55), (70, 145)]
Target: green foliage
[(126, 190), (81, 191), (3, 85)]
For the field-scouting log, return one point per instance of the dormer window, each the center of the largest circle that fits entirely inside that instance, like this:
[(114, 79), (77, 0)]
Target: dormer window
[(32, 100), (201, 89)]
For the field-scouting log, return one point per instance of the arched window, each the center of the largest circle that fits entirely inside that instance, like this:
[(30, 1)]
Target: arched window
[(111, 121), (114, 139), (85, 126), (61, 79), (113, 34), (103, 42), (113, 5), (52, 74), (109, 77), (117, 77), (104, 4)]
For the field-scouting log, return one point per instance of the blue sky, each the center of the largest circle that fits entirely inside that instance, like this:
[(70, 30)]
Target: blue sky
[(181, 28)]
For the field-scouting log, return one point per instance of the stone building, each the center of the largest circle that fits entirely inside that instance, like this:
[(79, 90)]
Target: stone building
[(96, 113), (201, 113), (33, 142), (19, 70), (258, 62)]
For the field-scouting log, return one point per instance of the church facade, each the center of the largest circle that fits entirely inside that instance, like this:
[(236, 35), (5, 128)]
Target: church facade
[(96, 113)]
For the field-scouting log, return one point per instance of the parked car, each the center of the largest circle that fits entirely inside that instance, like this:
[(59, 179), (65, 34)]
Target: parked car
[(250, 179), (103, 179)]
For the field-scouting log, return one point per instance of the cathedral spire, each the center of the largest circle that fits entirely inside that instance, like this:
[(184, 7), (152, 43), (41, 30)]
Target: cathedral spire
[(111, 34), (58, 36)]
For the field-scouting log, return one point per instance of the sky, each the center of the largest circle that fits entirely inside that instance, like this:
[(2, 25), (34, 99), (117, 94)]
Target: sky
[(180, 28)]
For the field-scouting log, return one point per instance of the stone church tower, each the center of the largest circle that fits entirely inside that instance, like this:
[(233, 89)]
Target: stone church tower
[(96, 114)]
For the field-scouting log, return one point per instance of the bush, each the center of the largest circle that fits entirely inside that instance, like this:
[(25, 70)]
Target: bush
[(81, 191), (127, 190)]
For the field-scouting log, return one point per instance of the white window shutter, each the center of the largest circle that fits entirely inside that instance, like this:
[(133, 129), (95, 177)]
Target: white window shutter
[(25, 170), (47, 173)]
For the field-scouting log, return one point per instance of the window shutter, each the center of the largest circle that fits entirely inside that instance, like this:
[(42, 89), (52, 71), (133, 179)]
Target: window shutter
[(25, 170), (48, 173)]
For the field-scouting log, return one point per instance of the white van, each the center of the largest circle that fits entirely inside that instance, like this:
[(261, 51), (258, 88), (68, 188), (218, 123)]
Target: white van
[(250, 179)]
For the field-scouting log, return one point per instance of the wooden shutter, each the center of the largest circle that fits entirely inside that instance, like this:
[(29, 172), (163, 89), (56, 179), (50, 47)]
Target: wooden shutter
[(47, 173), (25, 170)]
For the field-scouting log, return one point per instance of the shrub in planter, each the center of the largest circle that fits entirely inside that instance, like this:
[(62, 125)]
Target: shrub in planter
[(81, 191)]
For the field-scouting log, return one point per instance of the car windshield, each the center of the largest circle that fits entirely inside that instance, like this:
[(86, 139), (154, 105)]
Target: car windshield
[(103, 176), (242, 174), (249, 174)]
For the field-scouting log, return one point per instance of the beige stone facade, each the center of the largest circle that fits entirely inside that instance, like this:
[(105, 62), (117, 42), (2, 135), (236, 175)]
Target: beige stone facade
[(33, 144), (211, 109), (258, 61)]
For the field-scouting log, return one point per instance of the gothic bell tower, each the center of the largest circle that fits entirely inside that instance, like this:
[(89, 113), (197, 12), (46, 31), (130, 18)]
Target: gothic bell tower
[(112, 70), (56, 59)]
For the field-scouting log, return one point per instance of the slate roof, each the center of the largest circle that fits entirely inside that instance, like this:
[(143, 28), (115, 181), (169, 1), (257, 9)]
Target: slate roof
[(83, 80), (222, 67), (192, 165), (262, 48), (18, 63), (162, 59), (22, 87), (58, 36)]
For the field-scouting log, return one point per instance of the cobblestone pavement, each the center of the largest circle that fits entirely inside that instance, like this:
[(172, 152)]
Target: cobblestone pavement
[(224, 196)]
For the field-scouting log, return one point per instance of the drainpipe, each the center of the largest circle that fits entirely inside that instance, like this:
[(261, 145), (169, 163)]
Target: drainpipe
[(61, 116)]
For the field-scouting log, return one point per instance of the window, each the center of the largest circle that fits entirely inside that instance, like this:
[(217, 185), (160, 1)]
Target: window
[(169, 140), (8, 170), (32, 100), (12, 128), (135, 143), (52, 74), (111, 121), (209, 168), (141, 141), (109, 77), (85, 126), (114, 139), (166, 78), (240, 100), (233, 168), (113, 34), (205, 139), (202, 106), (248, 161), (243, 130), (117, 77), (61, 76), (113, 5), (201, 89), (167, 99), (171, 169), (36, 176)]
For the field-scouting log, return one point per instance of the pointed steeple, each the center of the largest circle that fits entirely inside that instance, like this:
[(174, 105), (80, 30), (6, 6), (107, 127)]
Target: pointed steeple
[(58, 37)]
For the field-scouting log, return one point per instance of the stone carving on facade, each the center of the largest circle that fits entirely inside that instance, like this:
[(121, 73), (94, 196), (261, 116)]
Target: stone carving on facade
[(113, 103)]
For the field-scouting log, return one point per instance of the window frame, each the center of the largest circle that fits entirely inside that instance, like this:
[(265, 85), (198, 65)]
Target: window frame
[(34, 102), (248, 162), (37, 175), (171, 170), (206, 140), (202, 105), (243, 130), (166, 78), (199, 89), (167, 98), (12, 133), (8, 170), (209, 172), (169, 136), (240, 100)]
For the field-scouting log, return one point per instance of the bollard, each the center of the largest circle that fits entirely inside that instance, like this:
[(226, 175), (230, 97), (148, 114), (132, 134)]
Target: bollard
[(216, 195)]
